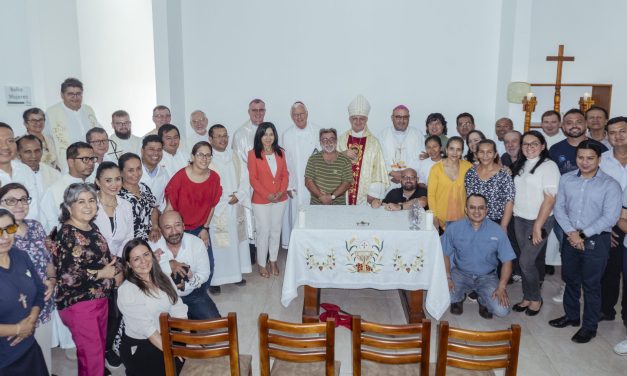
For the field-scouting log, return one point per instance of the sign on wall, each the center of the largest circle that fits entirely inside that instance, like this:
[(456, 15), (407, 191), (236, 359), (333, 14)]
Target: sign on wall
[(17, 95)]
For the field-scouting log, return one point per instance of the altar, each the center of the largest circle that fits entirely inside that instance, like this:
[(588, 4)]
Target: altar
[(356, 247)]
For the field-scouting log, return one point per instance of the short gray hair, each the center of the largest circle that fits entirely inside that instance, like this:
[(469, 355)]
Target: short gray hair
[(70, 196), (327, 130)]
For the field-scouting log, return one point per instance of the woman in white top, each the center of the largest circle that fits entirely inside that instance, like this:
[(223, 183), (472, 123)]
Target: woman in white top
[(536, 178), (144, 295), (433, 150)]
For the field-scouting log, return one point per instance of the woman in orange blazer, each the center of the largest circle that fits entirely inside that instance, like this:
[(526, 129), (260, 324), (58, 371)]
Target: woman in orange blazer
[(269, 178)]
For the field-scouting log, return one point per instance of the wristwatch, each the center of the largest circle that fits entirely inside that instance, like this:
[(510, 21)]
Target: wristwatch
[(332, 197)]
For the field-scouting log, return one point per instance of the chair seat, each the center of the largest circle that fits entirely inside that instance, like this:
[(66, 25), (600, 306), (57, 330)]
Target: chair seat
[(216, 366), (283, 368), (369, 368), (452, 371)]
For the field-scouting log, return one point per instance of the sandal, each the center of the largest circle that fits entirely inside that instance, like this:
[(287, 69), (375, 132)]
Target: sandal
[(263, 272), (274, 267)]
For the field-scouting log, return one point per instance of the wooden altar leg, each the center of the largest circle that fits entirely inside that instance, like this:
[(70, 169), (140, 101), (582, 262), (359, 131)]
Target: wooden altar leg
[(311, 305), (412, 305)]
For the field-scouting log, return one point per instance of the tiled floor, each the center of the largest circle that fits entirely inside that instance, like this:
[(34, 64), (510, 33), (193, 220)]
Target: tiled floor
[(544, 350)]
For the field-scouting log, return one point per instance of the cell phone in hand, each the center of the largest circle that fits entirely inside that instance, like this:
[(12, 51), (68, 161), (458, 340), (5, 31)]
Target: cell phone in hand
[(178, 279), (543, 234)]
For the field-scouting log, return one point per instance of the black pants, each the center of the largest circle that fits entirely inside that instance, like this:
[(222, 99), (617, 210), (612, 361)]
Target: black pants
[(31, 363), (610, 284), (113, 320), (140, 357)]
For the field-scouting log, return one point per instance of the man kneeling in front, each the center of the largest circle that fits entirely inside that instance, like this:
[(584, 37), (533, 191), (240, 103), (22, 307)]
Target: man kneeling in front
[(474, 246)]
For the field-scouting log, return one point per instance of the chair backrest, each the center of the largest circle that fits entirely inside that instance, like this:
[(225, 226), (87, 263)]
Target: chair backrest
[(199, 339), (301, 343), (391, 344), (477, 350)]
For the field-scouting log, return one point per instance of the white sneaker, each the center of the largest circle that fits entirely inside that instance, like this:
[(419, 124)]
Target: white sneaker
[(559, 298), (621, 348)]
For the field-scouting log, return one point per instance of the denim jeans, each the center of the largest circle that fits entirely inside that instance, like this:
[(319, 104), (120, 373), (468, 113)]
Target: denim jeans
[(484, 285), (584, 269), (200, 306), (195, 232)]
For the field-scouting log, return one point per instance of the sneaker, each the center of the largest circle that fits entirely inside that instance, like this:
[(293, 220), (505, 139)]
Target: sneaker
[(215, 290), (559, 298), (112, 359), (516, 277), (473, 296), (621, 348)]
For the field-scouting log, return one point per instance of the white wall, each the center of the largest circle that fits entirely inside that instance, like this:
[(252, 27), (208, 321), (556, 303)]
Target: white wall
[(431, 56)]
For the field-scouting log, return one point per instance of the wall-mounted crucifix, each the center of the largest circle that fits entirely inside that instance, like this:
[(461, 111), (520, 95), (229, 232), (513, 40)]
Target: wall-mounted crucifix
[(560, 58)]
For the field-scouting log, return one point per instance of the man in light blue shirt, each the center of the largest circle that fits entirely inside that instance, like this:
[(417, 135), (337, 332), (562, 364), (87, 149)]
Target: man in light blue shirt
[(588, 205), (475, 245)]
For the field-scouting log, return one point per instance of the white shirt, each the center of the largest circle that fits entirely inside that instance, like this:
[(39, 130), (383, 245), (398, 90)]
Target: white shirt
[(424, 168), (193, 252), (500, 147), (21, 173), (45, 177), (123, 230), (157, 183), (193, 137), (611, 166), (552, 140), (243, 140), (401, 149), (53, 198), (224, 165), (131, 145), (530, 188), (299, 145), (173, 163), (141, 312)]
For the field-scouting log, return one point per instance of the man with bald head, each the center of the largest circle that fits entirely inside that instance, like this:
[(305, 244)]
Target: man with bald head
[(184, 256), (501, 127), (370, 179), (401, 145), (300, 141), (404, 197), (199, 123)]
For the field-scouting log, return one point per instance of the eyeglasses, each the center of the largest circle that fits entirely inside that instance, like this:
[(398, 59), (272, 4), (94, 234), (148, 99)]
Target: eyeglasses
[(399, 117), (34, 121), (99, 142), (162, 116), (13, 201), (256, 110), (408, 178), (534, 144), (10, 229), (328, 140), (77, 94), (203, 156), (124, 123), (221, 137), (88, 159)]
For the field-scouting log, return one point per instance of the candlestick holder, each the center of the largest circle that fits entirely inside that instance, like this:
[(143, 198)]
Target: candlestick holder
[(585, 103), (529, 106)]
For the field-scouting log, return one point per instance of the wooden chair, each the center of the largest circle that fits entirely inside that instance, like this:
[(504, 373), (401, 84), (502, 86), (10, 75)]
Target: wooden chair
[(479, 351), (209, 346), (390, 349), (297, 349)]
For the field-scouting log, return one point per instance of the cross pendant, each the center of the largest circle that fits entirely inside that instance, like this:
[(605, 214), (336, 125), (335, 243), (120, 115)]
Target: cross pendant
[(22, 300)]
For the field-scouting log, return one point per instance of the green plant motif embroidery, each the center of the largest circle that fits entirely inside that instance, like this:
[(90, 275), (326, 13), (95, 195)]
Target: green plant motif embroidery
[(416, 265), (327, 263), (363, 256)]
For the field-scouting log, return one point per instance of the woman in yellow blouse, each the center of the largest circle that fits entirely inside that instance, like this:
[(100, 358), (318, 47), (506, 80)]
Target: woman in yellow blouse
[(446, 193)]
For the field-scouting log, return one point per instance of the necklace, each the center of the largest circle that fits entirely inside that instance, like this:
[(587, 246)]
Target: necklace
[(102, 201)]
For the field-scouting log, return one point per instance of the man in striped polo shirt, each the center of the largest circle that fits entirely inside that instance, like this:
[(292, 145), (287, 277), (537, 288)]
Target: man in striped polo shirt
[(328, 174)]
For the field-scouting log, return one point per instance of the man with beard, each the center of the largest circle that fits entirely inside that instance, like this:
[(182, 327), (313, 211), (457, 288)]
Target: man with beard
[(184, 256), (404, 197), (199, 123), (123, 140), (80, 159), (154, 175), (564, 153), (511, 140), (465, 124), (328, 174)]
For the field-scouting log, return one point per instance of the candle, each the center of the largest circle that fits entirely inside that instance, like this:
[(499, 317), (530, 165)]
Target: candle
[(301, 218), (429, 220), (529, 96), (586, 96)]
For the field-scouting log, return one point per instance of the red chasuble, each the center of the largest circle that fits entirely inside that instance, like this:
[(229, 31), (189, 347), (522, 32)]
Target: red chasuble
[(357, 144)]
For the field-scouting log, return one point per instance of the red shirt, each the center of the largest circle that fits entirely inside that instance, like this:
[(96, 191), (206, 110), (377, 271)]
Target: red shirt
[(192, 200)]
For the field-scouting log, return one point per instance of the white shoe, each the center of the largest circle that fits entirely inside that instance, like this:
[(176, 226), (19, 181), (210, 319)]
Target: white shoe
[(621, 348), (559, 298)]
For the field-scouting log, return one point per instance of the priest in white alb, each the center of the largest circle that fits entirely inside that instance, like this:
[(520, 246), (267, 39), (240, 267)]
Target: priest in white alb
[(401, 145), (300, 141), (228, 226), (370, 178)]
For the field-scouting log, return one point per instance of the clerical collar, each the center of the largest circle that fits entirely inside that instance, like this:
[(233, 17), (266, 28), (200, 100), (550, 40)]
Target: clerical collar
[(69, 109), (358, 134)]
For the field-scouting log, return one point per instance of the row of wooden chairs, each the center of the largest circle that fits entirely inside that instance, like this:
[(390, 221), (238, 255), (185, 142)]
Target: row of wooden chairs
[(211, 348)]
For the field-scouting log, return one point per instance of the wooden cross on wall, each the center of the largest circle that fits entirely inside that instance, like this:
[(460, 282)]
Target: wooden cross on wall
[(560, 58)]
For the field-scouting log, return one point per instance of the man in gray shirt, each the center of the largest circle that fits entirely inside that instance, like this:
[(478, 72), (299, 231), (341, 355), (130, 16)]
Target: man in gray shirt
[(588, 205)]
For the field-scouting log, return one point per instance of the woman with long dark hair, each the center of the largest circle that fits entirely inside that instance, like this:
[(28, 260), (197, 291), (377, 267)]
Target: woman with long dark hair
[(536, 178), (144, 295), (472, 140), (269, 179)]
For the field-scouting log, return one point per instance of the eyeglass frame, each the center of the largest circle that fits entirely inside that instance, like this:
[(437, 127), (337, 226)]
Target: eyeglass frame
[(23, 200)]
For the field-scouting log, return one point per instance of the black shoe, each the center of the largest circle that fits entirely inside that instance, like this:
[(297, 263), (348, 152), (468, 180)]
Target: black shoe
[(473, 296), (241, 283), (531, 312), (457, 308), (584, 335), (549, 269), (215, 290), (563, 322), (518, 308), (606, 317), (107, 372), (253, 253), (483, 312), (112, 359)]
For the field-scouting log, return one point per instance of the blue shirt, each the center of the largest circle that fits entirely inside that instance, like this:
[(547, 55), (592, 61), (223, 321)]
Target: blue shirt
[(565, 155), (592, 205), (20, 280), (476, 251)]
